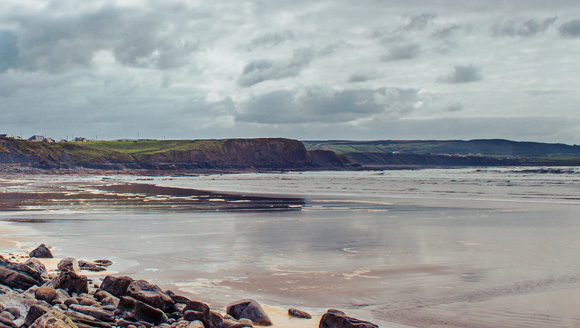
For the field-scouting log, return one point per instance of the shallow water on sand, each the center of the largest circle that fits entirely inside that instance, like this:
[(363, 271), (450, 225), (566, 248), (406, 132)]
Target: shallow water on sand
[(464, 247)]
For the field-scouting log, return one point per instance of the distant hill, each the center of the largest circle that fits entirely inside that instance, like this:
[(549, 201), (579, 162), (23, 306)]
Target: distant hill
[(525, 153), (277, 154)]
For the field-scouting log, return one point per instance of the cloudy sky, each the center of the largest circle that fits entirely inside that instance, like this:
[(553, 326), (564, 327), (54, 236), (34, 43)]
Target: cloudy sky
[(366, 69)]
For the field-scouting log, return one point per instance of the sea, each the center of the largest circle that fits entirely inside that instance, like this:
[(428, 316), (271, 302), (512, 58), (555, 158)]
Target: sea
[(465, 247)]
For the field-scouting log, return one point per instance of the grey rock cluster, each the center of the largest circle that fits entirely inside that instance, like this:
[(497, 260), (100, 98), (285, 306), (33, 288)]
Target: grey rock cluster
[(69, 299)]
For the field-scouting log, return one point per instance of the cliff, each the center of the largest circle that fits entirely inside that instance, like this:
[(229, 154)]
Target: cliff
[(271, 153)]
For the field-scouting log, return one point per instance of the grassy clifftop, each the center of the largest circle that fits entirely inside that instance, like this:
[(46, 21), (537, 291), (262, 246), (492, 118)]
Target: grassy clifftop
[(170, 154)]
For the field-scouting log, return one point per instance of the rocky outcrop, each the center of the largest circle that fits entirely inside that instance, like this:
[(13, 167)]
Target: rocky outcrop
[(41, 252), (116, 286), (299, 314), (249, 309), (337, 319), (68, 301), (149, 294)]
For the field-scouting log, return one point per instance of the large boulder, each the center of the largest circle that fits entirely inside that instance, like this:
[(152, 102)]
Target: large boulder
[(18, 275), (45, 293), (249, 309), (337, 319), (94, 312), (35, 264), (137, 310), (41, 252), (70, 281), (150, 294), (69, 264), (53, 319), (116, 286)]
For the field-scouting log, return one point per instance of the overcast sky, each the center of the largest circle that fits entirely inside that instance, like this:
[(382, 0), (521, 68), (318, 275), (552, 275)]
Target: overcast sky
[(365, 69)]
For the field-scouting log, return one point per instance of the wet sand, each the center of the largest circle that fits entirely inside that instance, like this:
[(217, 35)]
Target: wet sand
[(426, 251)]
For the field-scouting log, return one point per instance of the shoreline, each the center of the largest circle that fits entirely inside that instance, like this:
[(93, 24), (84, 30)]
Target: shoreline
[(278, 314)]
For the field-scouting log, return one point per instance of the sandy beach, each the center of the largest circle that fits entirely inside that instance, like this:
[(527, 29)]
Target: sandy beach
[(423, 249)]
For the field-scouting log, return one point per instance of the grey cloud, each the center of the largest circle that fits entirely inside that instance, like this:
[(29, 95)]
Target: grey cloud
[(268, 40), (334, 47), (529, 28), (419, 22), (8, 51), (402, 52), (446, 32), (57, 43), (319, 105), (362, 77), (462, 74), (570, 29), (453, 107), (263, 70)]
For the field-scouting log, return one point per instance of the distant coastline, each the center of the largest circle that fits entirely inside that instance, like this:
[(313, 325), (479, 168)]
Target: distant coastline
[(272, 154)]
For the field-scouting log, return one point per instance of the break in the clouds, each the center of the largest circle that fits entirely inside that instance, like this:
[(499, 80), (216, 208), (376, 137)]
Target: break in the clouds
[(184, 69), (462, 74)]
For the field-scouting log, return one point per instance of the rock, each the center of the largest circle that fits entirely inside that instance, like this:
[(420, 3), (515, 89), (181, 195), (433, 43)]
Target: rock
[(69, 264), (110, 301), (18, 275), (197, 306), (93, 312), (246, 322), (177, 298), (90, 266), (34, 312), (83, 319), (5, 322), (41, 252), (299, 314), (70, 281), (195, 324), (117, 286), (53, 319), (249, 309), (337, 319), (150, 294), (140, 310), (14, 310), (47, 294), (38, 266), (103, 263), (70, 300), (215, 319), (7, 315)]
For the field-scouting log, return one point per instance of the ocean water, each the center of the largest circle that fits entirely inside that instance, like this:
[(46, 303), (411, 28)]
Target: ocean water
[(458, 247)]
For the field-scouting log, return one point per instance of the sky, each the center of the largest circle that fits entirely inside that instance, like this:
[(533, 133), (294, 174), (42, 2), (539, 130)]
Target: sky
[(308, 70)]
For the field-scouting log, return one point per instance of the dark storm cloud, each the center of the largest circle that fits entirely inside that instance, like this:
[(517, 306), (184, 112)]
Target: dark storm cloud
[(268, 40), (320, 105), (462, 74), (8, 51), (570, 29), (401, 52), (529, 28), (57, 43), (263, 70)]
